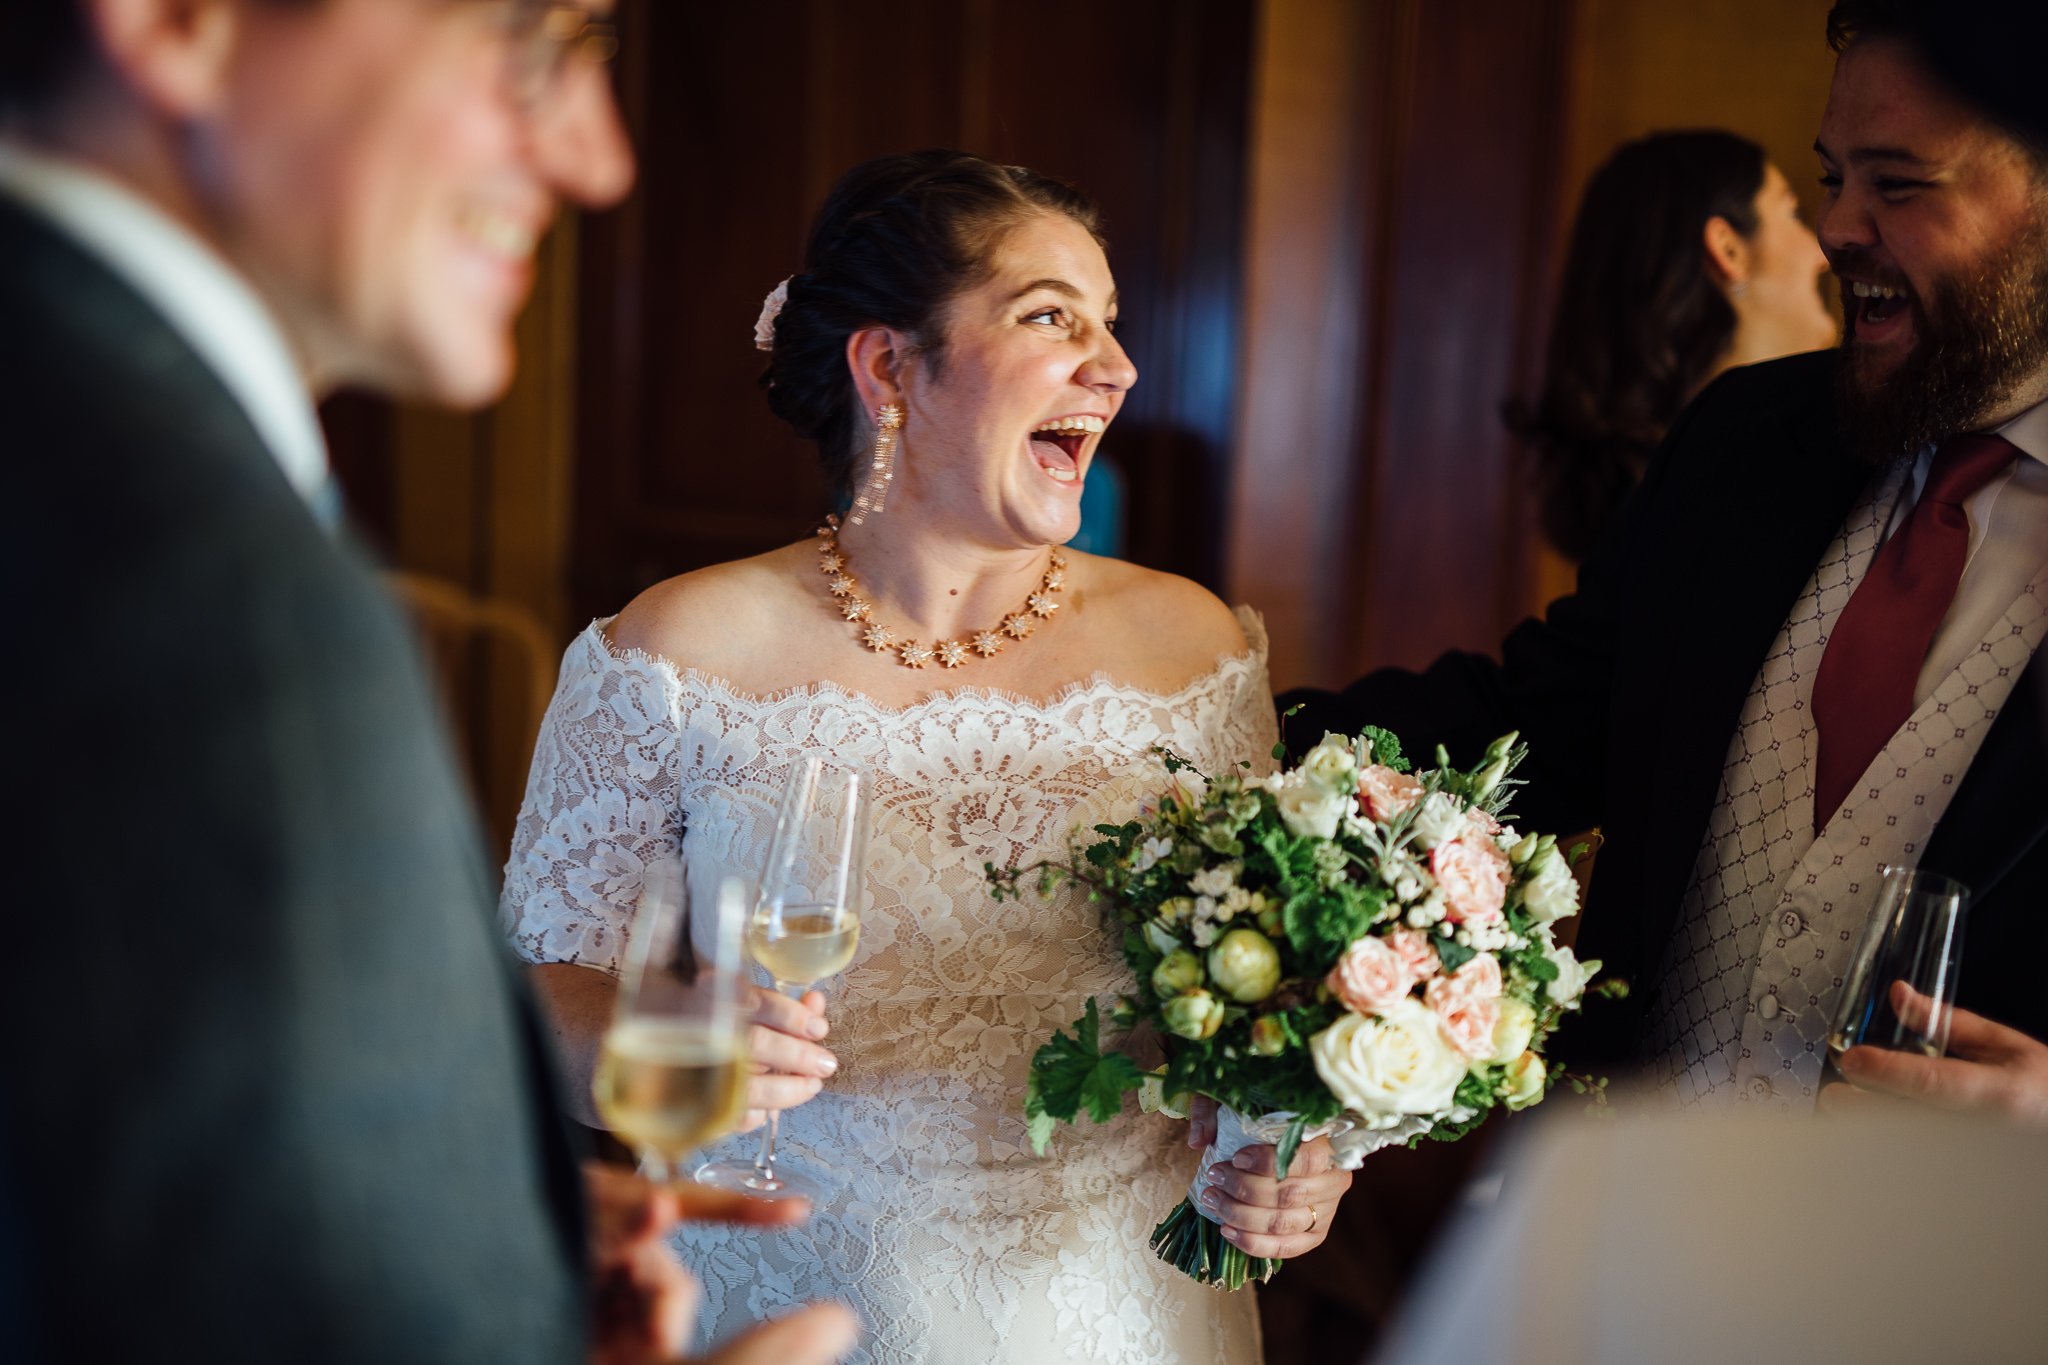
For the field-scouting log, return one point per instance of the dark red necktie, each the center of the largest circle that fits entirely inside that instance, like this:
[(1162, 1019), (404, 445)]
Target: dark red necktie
[(1863, 691)]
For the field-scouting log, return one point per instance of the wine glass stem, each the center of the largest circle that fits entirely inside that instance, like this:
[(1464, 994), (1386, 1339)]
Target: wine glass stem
[(764, 1160)]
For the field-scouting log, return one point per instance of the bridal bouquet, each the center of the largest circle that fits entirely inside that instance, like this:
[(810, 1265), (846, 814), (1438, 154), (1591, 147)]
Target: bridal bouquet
[(1345, 949)]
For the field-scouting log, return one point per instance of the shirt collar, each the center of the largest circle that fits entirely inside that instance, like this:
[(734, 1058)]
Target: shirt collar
[(204, 301), (2029, 431)]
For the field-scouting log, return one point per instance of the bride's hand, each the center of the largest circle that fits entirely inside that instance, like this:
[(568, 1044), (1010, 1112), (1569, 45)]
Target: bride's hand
[(789, 1066), (1265, 1216)]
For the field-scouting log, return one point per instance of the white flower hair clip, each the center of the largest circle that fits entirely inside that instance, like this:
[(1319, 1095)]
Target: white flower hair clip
[(771, 307)]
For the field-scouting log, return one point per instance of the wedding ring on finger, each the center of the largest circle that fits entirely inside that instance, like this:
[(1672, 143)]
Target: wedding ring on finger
[(1312, 1217)]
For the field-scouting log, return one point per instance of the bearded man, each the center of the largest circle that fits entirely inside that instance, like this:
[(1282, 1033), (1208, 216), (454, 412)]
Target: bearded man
[(1811, 648)]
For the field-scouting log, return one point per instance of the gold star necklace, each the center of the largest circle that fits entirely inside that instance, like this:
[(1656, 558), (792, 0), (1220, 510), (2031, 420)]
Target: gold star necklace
[(1018, 625)]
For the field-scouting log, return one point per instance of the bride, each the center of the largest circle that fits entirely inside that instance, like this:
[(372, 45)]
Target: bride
[(950, 348)]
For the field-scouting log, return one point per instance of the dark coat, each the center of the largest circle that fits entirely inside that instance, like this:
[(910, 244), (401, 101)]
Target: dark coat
[(1629, 690), (272, 1091)]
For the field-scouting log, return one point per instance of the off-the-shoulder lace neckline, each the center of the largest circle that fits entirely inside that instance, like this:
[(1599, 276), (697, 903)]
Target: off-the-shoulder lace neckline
[(1251, 656)]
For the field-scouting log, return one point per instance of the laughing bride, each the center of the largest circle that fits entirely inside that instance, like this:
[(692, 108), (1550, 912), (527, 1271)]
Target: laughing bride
[(950, 347)]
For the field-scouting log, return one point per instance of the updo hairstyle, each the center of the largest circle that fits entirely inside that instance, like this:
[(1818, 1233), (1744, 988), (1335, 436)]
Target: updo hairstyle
[(897, 240)]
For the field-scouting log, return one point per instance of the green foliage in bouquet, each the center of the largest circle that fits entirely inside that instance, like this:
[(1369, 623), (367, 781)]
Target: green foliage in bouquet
[(1072, 1075)]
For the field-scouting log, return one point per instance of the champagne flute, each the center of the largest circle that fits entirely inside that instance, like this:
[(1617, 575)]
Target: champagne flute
[(1914, 936), (804, 928), (672, 1072)]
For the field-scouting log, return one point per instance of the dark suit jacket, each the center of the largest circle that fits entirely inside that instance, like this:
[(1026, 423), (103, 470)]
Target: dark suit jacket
[(1628, 692), (272, 1092)]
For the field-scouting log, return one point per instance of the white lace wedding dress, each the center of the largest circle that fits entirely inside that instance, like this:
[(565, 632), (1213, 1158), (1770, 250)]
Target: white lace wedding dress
[(955, 1244)]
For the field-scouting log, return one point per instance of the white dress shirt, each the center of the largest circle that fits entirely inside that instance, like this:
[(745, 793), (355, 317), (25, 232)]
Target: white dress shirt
[(2008, 544), (199, 295)]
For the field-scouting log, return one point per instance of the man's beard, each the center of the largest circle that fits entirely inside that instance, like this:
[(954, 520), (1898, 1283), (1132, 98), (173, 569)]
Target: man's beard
[(1979, 338)]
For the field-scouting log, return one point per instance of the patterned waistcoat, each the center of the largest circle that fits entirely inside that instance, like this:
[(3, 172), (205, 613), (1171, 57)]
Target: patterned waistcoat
[(1772, 913)]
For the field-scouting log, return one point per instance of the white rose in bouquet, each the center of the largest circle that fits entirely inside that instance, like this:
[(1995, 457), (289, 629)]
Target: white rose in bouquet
[(1308, 809), (1572, 976), (1384, 1066), (1439, 820), (1551, 893), (1331, 765)]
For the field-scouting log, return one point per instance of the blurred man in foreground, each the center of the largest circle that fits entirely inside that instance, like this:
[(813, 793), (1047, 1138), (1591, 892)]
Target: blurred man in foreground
[(273, 1092)]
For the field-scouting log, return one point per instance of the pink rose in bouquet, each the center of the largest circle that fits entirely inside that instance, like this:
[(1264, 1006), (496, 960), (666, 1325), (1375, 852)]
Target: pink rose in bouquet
[(1370, 977), (1467, 1005), (1474, 876), (1384, 793), (1478, 979), (1416, 951)]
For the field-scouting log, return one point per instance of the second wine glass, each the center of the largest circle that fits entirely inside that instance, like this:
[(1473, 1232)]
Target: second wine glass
[(672, 1072), (805, 928), (1914, 940)]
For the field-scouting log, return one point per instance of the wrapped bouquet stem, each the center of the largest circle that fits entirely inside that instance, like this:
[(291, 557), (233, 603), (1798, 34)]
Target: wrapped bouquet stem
[(1346, 948), (1192, 1241)]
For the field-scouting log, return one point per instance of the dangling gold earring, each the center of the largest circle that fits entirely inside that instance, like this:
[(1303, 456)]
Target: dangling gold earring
[(875, 492)]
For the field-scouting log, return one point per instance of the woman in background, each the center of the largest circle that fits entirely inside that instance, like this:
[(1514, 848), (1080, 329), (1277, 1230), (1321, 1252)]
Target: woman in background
[(1688, 257)]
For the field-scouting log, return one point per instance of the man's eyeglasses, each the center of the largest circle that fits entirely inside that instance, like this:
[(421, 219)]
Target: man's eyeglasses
[(546, 39)]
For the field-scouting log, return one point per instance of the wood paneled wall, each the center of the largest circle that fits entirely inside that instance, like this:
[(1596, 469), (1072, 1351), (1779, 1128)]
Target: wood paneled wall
[(1755, 67), (1404, 182), (746, 114)]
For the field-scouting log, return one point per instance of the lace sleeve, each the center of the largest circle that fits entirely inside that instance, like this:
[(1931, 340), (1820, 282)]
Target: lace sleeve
[(600, 806), (1245, 730)]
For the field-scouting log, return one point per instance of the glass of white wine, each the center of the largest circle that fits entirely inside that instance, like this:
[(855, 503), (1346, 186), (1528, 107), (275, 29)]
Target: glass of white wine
[(805, 927), (1914, 936), (672, 1072)]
